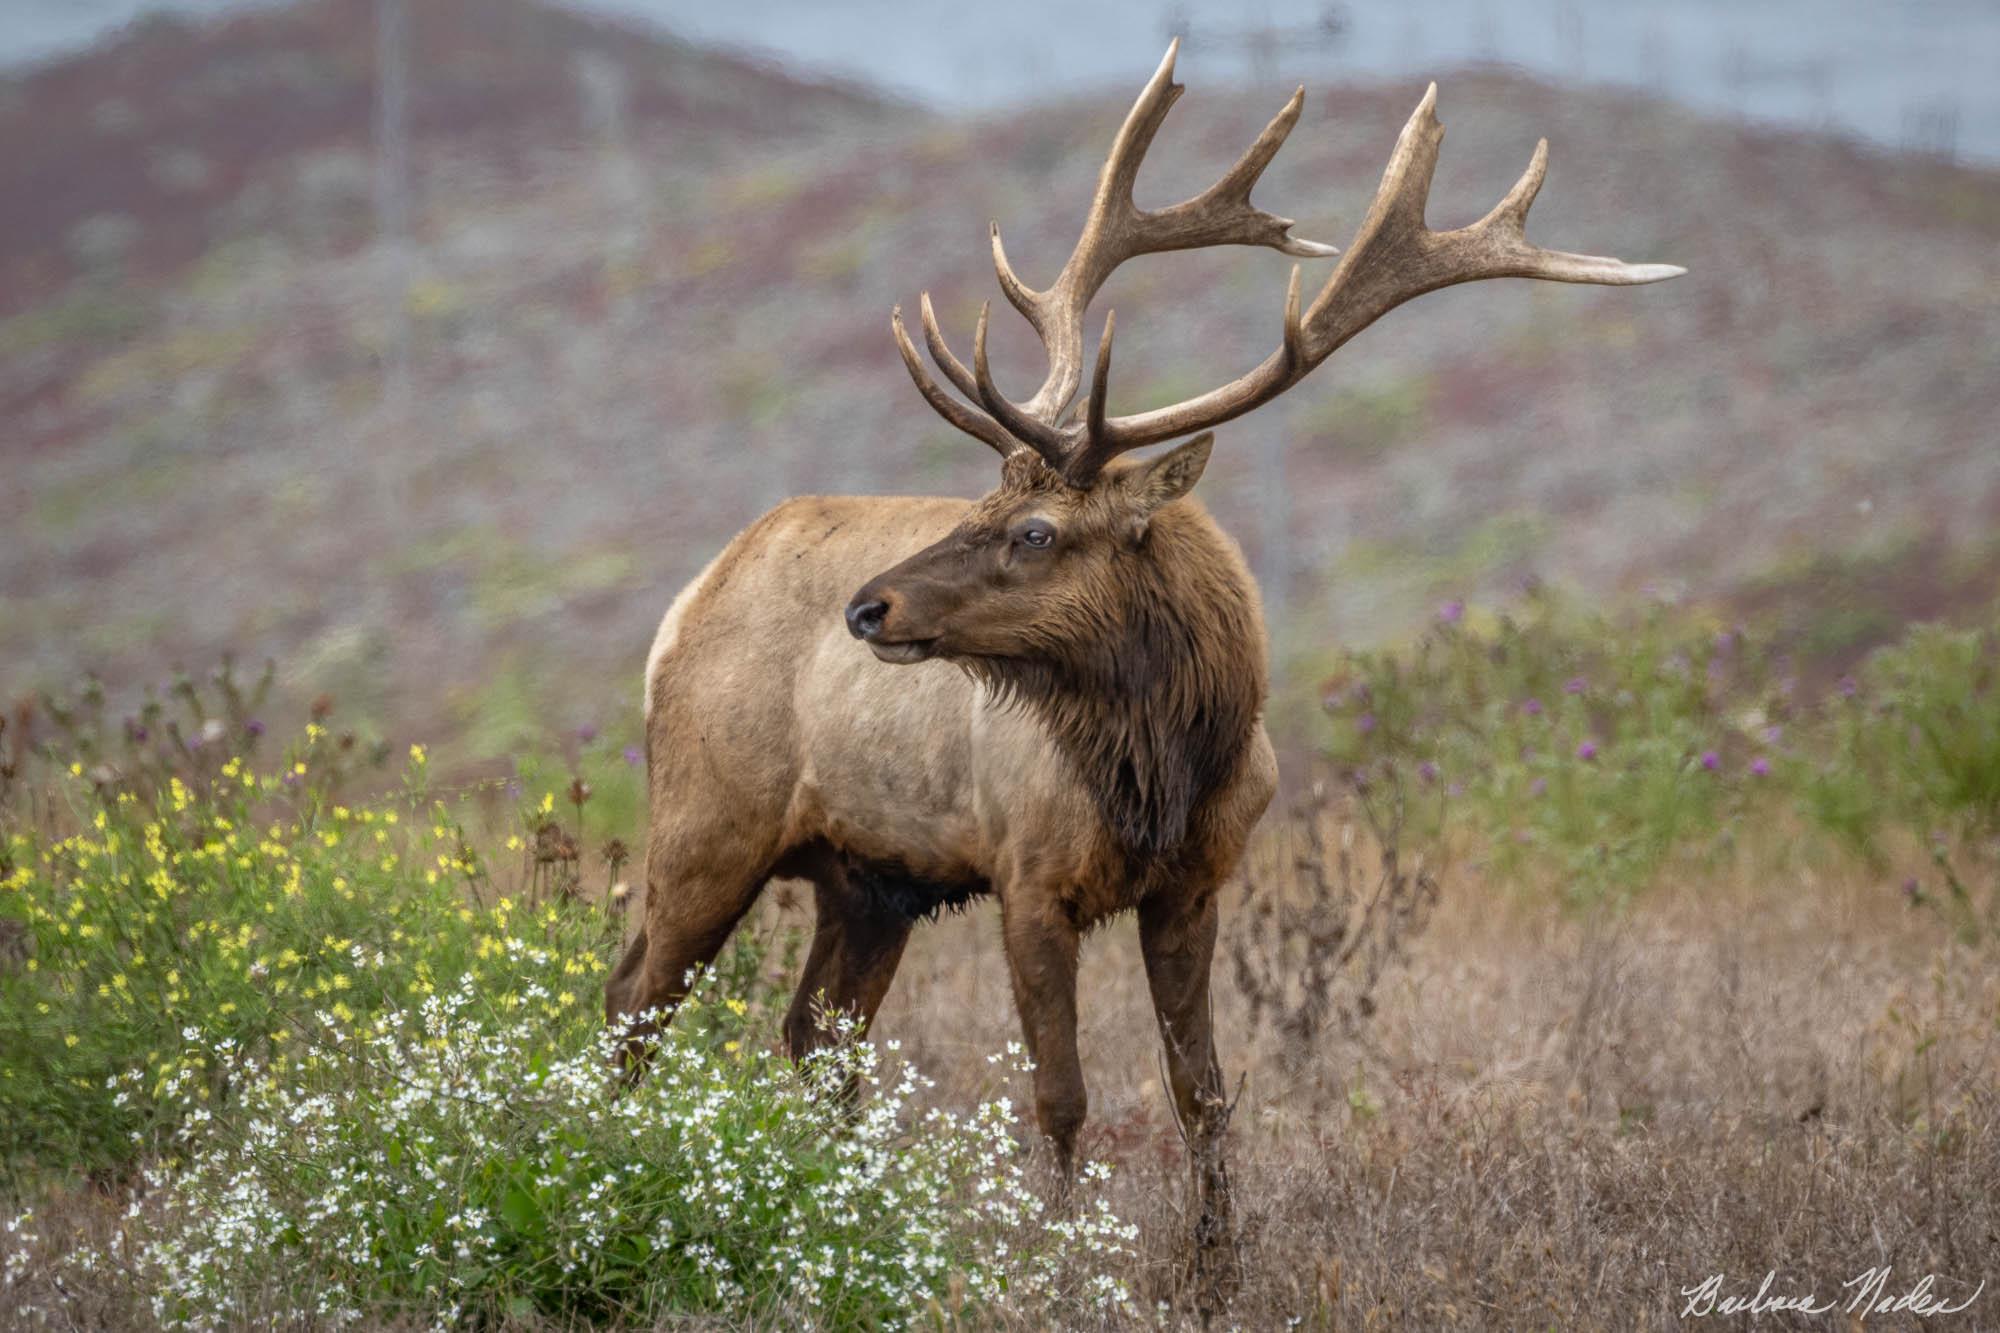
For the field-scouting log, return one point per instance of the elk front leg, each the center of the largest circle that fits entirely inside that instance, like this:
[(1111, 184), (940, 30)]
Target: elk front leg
[(1041, 960), (1177, 937)]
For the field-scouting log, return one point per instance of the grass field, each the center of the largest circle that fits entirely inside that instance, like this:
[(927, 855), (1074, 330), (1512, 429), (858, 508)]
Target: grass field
[(290, 1038)]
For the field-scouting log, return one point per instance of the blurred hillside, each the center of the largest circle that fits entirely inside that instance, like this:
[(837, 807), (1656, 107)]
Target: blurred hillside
[(645, 294)]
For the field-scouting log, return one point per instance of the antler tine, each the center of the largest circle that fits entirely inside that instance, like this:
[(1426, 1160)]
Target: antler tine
[(954, 369), (1100, 381), (1088, 459), (1223, 214), (1043, 438), (1509, 217), (1394, 258), (1295, 338), (974, 423)]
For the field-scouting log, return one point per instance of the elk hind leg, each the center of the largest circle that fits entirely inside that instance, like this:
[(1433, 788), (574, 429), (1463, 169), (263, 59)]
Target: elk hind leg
[(693, 901), (857, 945)]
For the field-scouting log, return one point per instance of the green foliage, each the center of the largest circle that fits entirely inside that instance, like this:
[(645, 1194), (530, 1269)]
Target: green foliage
[(1601, 752), (1933, 730), (250, 907), (1575, 747)]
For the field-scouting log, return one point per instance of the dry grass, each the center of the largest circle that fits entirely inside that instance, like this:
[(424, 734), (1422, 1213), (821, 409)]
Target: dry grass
[(1559, 1121)]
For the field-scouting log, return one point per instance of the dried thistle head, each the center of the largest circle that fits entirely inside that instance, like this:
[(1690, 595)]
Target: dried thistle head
[(579, 791), (322, 707), (553, 843)]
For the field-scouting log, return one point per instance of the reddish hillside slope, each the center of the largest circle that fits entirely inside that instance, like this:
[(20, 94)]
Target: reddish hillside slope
[(621, 347)]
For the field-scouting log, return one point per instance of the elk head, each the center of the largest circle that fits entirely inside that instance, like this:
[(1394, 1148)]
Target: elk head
[(1032, 558)]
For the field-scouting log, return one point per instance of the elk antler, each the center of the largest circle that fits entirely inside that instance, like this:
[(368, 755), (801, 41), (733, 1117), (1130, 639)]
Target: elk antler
[(1394, 257), (1115, 230)]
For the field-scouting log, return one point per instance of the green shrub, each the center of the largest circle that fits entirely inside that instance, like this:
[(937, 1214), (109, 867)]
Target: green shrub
[(1583, 749), (249, 909), (1598, 752)]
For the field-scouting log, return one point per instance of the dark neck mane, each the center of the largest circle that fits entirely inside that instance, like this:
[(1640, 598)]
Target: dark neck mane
[(1155, 702)]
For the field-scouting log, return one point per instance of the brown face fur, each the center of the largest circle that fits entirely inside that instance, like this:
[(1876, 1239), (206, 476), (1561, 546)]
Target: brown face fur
[(1118, 614), (1033, 568)]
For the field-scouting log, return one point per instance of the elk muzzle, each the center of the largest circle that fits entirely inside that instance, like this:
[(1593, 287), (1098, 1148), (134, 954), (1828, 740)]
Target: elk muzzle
[(871, 617)]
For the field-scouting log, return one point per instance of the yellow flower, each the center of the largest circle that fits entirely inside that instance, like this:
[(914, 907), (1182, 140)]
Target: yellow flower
[(417, 754), (69, 1039)]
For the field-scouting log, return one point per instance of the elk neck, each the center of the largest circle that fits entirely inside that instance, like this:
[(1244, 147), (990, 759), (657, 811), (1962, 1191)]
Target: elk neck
[(1155, 696)]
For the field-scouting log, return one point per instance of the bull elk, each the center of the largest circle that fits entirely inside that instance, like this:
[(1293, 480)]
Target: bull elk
[(1060, 702)]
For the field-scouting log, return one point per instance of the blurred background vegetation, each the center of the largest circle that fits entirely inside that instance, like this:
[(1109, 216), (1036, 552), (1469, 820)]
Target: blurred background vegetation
[(428, 348)]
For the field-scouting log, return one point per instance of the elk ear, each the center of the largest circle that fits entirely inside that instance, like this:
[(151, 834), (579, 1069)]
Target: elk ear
[(1170, 476)]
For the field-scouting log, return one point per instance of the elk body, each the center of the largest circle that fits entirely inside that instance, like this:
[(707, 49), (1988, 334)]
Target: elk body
[(1057, 691)]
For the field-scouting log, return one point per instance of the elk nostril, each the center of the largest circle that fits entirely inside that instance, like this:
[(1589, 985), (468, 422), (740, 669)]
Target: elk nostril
[(864, 619)]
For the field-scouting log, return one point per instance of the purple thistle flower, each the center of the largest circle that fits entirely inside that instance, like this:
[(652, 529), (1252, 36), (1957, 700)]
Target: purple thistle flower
[(1365, 723), (1575, 685), (139, 732), (1773, 734), (1910, 888), (1848, 688), (253, 728), (1761, 766), (633, 756), (1427, 771), (1539, 787), (1711, 761), (1587, 751), (291, 779), (586, 733), (1533, 708), (1451, 612)]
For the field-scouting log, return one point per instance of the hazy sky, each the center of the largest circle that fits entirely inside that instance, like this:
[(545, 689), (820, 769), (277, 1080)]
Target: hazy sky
[(1911, 72)]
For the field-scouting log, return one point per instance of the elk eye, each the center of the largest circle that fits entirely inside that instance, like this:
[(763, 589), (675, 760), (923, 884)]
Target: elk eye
[(1038, 535)]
